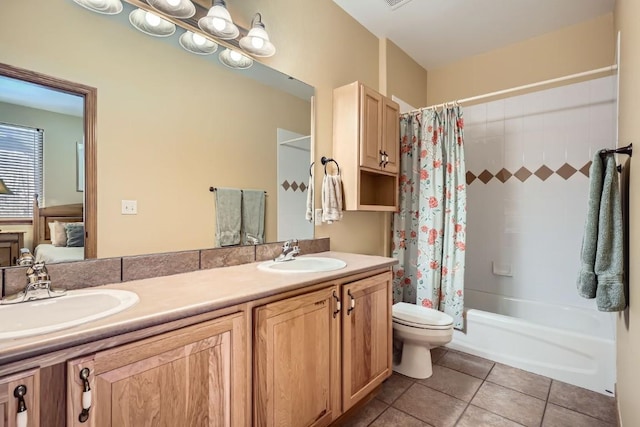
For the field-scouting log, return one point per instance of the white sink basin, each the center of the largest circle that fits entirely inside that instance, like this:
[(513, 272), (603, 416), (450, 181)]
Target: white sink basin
[(74, 308), (305, 264)]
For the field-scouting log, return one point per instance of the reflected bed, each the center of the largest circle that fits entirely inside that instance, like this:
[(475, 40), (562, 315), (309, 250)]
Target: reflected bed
[(42, 217)]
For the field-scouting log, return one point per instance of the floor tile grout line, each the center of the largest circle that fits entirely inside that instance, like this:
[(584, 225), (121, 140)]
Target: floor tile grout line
[(412, 416), (546, 404), (519, 391)]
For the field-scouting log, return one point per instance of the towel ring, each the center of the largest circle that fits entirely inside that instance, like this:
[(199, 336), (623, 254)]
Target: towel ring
[(324, 160), (311, 169)]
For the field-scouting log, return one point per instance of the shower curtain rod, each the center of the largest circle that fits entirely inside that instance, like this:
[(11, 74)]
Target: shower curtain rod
[(523, 87)]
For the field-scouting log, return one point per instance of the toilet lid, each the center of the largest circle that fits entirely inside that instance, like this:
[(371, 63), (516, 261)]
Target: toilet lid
[(415, 314)]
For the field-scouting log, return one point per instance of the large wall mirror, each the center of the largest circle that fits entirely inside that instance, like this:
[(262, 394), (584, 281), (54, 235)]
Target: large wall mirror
[(169, 125)]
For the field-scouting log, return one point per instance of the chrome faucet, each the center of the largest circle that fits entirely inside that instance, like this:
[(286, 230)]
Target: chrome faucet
[(38, 286), (289, 250)]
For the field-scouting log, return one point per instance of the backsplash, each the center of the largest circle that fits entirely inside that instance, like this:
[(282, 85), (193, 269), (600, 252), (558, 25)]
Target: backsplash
[(96, 272)]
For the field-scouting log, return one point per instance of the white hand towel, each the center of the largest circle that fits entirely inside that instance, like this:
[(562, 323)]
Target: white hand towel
[(308, 215), (331, 198)]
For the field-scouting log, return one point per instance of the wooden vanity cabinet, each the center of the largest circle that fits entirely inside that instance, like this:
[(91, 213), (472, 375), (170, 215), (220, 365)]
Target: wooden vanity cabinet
[(366, 144), (296, 361), (10, 405), (366, 336), (194, 376)]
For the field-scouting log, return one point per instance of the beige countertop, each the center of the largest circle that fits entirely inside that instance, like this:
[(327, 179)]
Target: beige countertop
[(169, 298)]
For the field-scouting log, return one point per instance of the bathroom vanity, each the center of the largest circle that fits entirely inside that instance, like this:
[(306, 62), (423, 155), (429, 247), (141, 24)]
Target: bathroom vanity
[(232, 346)]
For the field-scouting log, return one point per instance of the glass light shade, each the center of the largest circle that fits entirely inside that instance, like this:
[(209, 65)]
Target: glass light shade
[(4, 189), (107, 7), (257, 41), (234, 59), (182, 9), (151, 24), (195, 43), (218, 22)]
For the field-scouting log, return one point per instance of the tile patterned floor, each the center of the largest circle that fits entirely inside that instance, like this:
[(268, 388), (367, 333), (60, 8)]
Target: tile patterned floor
[(468, 391)]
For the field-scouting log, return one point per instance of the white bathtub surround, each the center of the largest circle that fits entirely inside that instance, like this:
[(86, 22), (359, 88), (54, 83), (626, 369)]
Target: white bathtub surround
[(570, 344), (429, 232), (528, 160)]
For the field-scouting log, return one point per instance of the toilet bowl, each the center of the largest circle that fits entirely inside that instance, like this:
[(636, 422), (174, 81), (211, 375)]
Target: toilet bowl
[(419, 329)]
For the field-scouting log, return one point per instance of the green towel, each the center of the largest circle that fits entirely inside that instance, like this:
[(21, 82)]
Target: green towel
[(253, 202), (587, 281), (610, 250), (228, 216), (601, 275)]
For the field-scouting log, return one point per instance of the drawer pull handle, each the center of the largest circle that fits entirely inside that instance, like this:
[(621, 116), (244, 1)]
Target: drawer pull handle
[(21, 415), (86, 395), (352, 303), (338, 305)]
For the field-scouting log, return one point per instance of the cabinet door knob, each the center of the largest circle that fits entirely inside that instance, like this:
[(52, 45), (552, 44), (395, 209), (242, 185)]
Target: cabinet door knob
[(21, 414), (352, 303), (86, 395), (338, 305)]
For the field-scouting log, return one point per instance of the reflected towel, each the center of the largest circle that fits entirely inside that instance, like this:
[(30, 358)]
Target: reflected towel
[(253, 203), (308, 215), (331, 198), (228, 216)]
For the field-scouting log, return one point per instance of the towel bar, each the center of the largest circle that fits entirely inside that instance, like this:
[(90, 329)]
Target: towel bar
[(212, 189)]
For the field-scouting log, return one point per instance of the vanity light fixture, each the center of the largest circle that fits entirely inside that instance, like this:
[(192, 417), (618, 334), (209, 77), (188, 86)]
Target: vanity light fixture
[(4, 189), (195, 43), (151, 24), (234, 59), (182, 9), (257, 41), (218, 22), (107, 7)]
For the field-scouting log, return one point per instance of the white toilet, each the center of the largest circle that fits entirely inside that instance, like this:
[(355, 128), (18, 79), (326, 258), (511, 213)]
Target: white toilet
[(420, 329)]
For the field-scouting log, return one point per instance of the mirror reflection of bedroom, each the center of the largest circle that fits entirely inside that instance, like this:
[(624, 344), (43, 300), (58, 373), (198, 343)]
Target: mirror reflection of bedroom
[(42, 168)]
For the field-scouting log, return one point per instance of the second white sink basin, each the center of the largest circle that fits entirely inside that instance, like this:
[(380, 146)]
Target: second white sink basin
[(75, 308), (305, 264)]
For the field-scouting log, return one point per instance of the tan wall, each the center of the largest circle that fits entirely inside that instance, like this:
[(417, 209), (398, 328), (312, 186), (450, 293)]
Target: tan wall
[(574, 49), (322, 45), (61, 132), (406, 79), (628, 363), (170, 124)]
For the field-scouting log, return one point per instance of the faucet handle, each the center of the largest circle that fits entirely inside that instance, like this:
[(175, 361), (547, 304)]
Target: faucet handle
[(286, 245)]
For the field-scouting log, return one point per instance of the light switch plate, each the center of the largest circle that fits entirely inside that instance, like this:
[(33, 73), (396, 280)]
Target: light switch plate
[(318, 217), (129, 207)]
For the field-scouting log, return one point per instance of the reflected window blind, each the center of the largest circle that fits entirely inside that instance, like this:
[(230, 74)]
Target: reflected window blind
[(20, 169)]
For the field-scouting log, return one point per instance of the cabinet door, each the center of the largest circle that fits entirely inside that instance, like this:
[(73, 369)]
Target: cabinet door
[(11, 410), (296, 361), (190, 377), (391, 135), (370, 127), (366, 336)]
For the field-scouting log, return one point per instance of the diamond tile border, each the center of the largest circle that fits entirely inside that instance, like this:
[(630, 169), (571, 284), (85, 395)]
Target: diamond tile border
[(543, 173), (294, 186)]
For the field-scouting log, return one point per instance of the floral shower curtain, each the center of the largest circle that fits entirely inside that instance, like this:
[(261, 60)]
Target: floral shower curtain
[(429, 230)]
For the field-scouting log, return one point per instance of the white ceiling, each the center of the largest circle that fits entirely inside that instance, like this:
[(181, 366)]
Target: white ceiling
[(438, 32), (31, 95)]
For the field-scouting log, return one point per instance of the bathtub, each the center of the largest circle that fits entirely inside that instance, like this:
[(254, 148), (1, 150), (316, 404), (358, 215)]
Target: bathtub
[(569, 344)]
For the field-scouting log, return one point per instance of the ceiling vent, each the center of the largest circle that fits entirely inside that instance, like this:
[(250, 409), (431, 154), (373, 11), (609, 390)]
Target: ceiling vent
[(395, 4)]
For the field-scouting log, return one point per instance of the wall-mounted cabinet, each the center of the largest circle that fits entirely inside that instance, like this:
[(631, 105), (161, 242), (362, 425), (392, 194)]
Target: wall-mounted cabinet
[(366, 143)]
